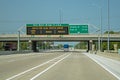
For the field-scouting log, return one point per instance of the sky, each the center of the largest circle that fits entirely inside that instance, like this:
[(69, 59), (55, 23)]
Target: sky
[(17, 13)]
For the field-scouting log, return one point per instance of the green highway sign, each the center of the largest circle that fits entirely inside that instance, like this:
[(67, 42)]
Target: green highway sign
[(37, 25), (78, 29)]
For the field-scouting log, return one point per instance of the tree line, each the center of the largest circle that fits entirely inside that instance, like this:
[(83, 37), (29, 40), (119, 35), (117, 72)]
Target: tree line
[(83, 45)]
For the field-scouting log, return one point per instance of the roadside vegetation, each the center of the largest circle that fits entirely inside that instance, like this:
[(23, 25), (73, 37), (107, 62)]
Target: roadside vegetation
[(83, 45)]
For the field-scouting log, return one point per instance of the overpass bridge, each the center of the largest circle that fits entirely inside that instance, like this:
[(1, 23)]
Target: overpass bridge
[(90, 38), (84, 37)]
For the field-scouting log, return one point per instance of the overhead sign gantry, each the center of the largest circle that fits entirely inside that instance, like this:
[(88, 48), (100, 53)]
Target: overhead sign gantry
[(47, 29), (55, 29)]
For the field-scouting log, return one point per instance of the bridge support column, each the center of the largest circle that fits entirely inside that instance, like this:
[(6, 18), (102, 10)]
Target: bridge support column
[(90, 45), (93, 47), (34, 46), (30, 44), (115, 48)]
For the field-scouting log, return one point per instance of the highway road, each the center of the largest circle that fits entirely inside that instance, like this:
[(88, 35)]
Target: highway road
[(51, 66)]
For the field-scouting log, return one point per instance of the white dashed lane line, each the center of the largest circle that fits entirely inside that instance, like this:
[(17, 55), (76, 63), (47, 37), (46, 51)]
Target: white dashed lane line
[(39, 74), (17, 75)]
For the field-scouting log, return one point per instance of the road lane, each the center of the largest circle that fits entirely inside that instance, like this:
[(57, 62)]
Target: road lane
[(33, 78), (25, 75), (76, 67), (110, 65), (22, 63)]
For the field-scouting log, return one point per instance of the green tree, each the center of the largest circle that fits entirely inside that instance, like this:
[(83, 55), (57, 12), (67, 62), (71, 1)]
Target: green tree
[(104, 45), (60, 46), (118, 44), (1, 46), (112, 45), (48, 45), (39, 45), (24, 45), (111, 32), (77, 46), (81, 45)]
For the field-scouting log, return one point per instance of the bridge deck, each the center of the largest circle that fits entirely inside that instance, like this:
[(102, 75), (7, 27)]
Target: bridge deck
[(14, 37)]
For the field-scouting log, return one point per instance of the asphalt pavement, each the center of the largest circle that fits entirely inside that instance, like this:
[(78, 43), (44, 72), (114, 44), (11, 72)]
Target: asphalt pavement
[(51, 66), (111, 65)]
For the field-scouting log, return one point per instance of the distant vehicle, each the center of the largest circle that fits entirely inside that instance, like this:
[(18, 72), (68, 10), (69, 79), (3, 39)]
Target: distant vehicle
[(66, 47), (10, 46)]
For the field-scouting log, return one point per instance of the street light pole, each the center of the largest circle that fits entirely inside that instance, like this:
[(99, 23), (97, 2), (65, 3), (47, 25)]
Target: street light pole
[(100, 33), (19, 30), (101, 29), (18, 49), (98, 46), (60, 15), (108, 42), (99, 41)]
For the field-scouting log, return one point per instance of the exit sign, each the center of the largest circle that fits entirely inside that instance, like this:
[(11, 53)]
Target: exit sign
[(78, 29)]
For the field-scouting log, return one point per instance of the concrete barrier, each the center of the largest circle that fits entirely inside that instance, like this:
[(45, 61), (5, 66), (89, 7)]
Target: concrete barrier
[(14, 52), (118, 51)]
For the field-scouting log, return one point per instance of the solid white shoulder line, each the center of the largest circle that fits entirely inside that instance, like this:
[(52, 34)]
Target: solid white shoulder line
[(89, 55)]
